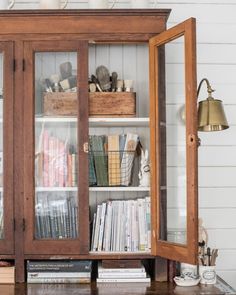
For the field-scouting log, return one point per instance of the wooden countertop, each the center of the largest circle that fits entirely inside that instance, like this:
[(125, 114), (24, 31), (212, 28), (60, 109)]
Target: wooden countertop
[(116, 289)]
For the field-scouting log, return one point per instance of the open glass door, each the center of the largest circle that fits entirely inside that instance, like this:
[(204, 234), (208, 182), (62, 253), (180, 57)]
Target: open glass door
[(175, 141), (56, 124)]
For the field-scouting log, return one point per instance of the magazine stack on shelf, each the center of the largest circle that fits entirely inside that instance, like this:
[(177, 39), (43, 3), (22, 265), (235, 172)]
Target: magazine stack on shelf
[(7, 273), (66, 271), (122, 225), (123, 271)]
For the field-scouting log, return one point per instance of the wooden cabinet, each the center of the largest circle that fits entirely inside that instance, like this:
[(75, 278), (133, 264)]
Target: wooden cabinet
[(52, 215)]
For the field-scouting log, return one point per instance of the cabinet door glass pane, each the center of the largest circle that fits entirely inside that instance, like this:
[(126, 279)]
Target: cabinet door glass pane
[(173, 144), (56, 205), (1, 149)]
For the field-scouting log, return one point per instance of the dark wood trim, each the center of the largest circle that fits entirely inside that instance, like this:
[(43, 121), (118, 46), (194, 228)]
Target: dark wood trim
[(97, 256), (184, 253), (83, 137), (18, 163), (85, 22), (7, 243)]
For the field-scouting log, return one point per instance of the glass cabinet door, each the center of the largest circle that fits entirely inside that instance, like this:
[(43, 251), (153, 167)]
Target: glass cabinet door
[(6, 148), (174, 134), (56, 95)]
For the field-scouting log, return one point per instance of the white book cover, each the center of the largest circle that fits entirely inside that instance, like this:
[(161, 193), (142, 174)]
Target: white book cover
[(107, 234), (114, 228), (58, 280), (128, 226), (93, 231), (114, 275), (58, 275), (141, 224), (118, 226), (101, 228), (127, 158), (124, 280), (96, 234), (148, 221), (120, 270)]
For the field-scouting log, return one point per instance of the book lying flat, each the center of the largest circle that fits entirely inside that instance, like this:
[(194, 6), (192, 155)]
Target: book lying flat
[(59, 280), (58, 275), (59, 266), (124, 280), (121, 275)]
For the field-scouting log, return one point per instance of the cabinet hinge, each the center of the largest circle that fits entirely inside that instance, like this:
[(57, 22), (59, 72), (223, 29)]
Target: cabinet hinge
[(14, 65), (23, 224), (23, 65)]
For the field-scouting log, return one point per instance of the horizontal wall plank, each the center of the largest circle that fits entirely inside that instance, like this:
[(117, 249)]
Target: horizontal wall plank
[(217, 177), (224, 91), (217, 156), (208, 198), (213, 156), (226, 260), (213, 32), (219, 218), (215, 73), (222, 238), (217, 198), (208, 176), (206, 53), (180, 12)]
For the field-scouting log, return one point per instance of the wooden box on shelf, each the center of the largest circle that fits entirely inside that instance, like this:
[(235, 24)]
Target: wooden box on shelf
[(101, 104)]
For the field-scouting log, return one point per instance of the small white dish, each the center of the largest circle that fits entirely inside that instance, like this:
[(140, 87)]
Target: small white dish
[(186, 281)]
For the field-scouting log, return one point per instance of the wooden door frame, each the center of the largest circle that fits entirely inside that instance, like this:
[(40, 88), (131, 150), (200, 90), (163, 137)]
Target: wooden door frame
[(7, 243), (66, 246), (184, 253)]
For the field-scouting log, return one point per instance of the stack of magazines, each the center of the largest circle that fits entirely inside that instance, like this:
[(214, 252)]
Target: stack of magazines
[(122, 225), (66, 271), (120, 272)]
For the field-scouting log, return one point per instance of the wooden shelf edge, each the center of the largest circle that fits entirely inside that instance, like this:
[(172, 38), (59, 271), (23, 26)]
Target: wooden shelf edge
[(90, 256)]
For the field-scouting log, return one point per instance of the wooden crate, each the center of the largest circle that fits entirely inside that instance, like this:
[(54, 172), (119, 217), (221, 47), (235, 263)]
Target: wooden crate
[(101, 104)]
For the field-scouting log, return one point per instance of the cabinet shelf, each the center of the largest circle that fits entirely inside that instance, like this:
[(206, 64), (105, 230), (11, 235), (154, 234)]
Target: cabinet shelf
[(95, 189), (99, 122)]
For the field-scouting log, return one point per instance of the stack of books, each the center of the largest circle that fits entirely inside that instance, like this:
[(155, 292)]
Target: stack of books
[(7, 273), (56, 161), (122, 271), (66, 271), (56, 216)]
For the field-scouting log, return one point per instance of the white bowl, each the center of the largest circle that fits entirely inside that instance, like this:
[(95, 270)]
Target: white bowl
[(186, 282)]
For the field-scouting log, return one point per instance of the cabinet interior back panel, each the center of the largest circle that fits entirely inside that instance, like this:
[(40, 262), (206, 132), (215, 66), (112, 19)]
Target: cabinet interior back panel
[(131, 63)]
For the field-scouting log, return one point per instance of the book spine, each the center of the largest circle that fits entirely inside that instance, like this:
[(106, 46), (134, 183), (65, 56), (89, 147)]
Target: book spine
[(124, 275), (59, 269), (123, 280), (58, 275), (59, 280), (69, 168), (121, 270), (45, 158), (101, 229), (61, 164)]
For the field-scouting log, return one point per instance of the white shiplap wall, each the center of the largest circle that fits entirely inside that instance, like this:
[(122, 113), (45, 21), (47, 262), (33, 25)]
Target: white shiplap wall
[(216, 44)]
